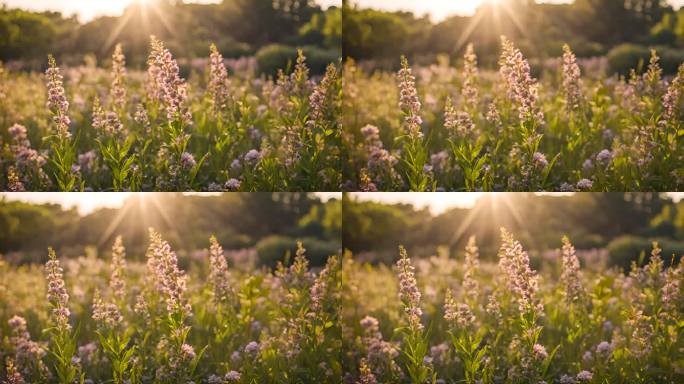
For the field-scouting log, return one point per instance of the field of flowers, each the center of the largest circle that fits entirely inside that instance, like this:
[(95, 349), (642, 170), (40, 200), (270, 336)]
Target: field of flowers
[(456, 129), (128, 322), (459, 320), (90, 128)]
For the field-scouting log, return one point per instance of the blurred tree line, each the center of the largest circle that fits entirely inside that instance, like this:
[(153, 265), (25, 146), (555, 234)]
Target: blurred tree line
[(237, 27), (620, 29), (624, 223), (269, 222)]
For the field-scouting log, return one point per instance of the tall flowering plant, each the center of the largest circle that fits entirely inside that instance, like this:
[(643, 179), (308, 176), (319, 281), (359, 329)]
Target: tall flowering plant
[(415, 156), (415, 347), (62, 158), (62, 348)]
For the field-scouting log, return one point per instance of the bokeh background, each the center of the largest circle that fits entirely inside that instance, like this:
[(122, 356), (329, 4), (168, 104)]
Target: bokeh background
[(615, 34), (608, 229), (78, 31), (257, 229)]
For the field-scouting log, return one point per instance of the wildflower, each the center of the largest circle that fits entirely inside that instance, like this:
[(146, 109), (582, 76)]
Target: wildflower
[(584, 184), (585, 376), (321, 94), (170, 281), (459, 124), (106, 314), (571, 276), (57, 293), (320, 290), (232, 376), (252, 348), (27, 353), (218, 78), (539, 160), (252, 156), (168, 86), (572, 83), (469, 91), (188, 161), (214, 379), (57, 101), (472, 263), (604, 157), (653, 76), (604, 349), (367, 376), (232, 184), (539, 352), (369, 324), (116, 281), (107, 123), (86, 161), (521, 280), (13, 375), (118, 89), (141, 117), (218, 273), (522, 88), (493, 116), (673, 96), (565, 187), (458, 314), (187, 352), (14, 184), (408, 290), (566, 379), (408, 100)]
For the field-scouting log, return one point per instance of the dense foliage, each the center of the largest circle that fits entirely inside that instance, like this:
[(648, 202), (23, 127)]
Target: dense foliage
[(457, 320), (148, 131), (442, 128), (131, 322)]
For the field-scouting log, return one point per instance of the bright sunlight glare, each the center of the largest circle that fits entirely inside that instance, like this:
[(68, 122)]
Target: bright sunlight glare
[(87, 10), (87, 202), (440, 202)]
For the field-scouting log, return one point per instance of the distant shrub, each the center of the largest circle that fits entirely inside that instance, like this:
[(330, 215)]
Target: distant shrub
[(274, 248), (624, 57), (625, 249), (277, 56)]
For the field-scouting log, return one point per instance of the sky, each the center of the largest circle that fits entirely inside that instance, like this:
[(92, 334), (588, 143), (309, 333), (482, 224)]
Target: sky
[(441, 9), (87, 202), (89, 9), (440, 202)]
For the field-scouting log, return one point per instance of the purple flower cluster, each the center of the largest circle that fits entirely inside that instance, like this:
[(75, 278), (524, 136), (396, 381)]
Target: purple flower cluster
[(117, 93), (472, 263), (57, 294), (572, 83), (521, 280), (458, 123), (218, 270), (458, 314), (408, 290), (169, 280), (470, 72), (171, 88), (117, 283), (107, 315), (571, 276), (521, 87), (28, 354), (57, 102), (318, 99), (408, 100), (218, 79)]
